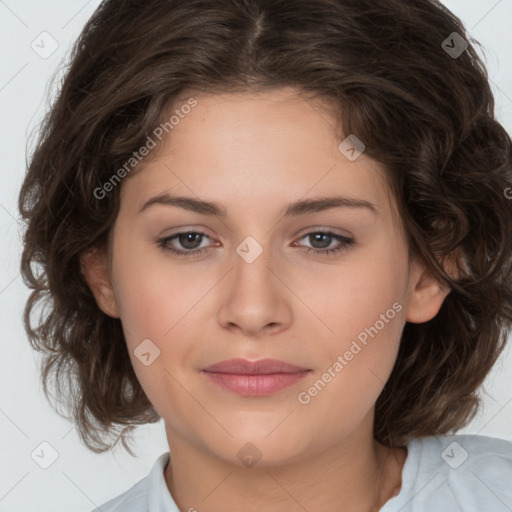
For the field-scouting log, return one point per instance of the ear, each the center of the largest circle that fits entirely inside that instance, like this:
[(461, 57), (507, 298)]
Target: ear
[(427, 296), (95, 269)]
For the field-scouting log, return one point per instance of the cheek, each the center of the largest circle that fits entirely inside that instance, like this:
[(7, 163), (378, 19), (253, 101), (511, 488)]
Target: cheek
[(355, 365), (365, 317), (156, 325), (143, 308), (152, 294), (163, 302), (352, 297)]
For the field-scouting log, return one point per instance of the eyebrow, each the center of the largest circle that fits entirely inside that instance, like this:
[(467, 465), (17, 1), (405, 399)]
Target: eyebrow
[(294, 209)]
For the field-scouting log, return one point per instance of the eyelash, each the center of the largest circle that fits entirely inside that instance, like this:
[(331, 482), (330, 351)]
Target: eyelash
[(345, 244)]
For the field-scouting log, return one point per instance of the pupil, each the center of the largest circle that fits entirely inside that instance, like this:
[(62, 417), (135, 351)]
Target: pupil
[(326, 238), (186, 239)]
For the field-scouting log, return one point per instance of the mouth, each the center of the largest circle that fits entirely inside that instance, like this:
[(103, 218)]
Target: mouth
[(254, 378)]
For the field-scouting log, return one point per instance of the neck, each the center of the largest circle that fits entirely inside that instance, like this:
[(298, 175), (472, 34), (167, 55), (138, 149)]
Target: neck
[(357, 474)]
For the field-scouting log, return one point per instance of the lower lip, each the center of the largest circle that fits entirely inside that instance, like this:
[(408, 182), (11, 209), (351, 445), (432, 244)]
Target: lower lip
[(256, 385)]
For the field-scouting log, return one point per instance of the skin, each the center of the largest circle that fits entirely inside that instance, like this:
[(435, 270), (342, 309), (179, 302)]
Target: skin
[(254, 154)]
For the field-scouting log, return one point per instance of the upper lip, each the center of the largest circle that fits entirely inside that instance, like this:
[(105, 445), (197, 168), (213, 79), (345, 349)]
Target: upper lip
[(261, 367)]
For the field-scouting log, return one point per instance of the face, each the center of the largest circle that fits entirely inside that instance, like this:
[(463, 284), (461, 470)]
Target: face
[(325, 288)]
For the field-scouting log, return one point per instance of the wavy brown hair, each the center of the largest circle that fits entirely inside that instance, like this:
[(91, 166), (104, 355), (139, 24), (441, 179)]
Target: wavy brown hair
[(426, 116)]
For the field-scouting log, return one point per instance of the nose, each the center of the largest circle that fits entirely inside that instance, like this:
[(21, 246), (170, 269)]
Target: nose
[(256, 299)]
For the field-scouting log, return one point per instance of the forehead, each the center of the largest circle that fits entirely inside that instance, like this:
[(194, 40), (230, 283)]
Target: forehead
[(255, 150)]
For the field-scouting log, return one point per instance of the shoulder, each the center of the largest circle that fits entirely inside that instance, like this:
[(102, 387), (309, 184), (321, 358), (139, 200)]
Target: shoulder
[(134, 499), (460, 456), (139, 496), (460, 472)]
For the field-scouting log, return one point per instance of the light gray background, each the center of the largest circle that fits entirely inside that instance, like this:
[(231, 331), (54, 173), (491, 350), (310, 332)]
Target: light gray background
[(79, 479)]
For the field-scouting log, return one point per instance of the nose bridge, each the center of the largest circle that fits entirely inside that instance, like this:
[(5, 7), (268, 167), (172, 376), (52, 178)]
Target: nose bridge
[(252, 263), (254, 298)]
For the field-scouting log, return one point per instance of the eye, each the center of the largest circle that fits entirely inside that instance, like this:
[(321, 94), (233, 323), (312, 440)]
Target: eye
[(191, 243), (188, 240), (324, 239)]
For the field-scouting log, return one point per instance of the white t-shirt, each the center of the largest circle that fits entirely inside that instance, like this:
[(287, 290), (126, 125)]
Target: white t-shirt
[(441, 474)]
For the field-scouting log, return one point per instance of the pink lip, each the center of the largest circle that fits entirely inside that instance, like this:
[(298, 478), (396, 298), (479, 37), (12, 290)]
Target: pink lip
[(254, 378)]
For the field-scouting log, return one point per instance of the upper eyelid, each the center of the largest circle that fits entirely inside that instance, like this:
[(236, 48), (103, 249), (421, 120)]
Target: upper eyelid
[(304, 231)]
